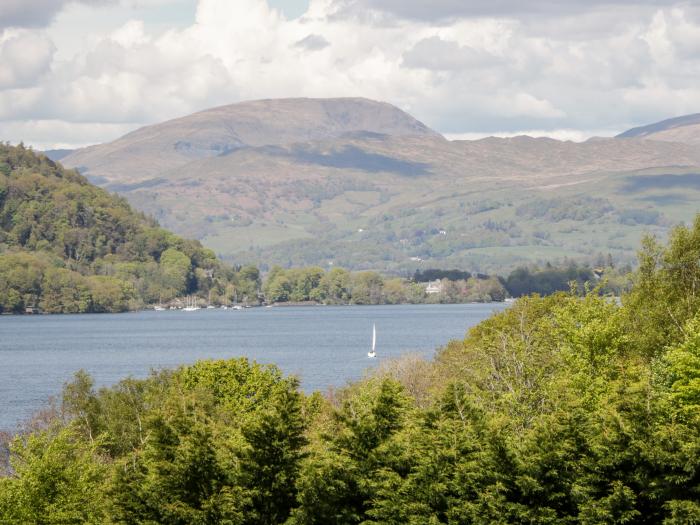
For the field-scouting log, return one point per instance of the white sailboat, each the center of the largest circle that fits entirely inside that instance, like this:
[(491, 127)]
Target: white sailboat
[(372, 353), (191, 304), (159, 307)]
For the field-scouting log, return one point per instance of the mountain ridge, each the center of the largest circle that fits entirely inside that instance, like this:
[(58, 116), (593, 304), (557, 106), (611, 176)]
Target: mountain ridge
[(362, 184), (221, 130), (685, 128)]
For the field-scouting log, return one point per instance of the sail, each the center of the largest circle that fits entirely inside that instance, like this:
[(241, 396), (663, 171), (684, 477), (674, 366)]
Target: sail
[(374, 337)]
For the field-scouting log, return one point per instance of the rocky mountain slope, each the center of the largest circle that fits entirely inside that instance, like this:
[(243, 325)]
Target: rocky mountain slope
[(684, 129), (362, 184)]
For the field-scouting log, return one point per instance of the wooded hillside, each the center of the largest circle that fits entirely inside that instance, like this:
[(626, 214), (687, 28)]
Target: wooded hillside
[(67, 246)]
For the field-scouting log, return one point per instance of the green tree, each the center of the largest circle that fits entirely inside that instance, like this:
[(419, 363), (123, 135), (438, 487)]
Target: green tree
[(335, 286), (271, 460), (64, 291), (176, 477), (665, 294), (58, 479), (339, 484), (278, 289), (176, 268), (367, 288), (109, 294)]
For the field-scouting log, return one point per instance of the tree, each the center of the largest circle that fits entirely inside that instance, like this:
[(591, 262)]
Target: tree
[(58, 480), (278, 289), (64, 291), (367, 288), (666, 293), (335, 286), (109, 294), (271, 460), (176, 268), (79, 402), (177, 476), (338, 484)]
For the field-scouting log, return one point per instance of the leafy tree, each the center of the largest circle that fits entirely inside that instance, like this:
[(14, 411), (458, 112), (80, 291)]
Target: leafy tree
[(278, 288), (367, 288), (176, 268), (335, 286), (338, 486), (271, 460), (58, 479), (546, 281), (666, 294), (64, 291), (176, 477)]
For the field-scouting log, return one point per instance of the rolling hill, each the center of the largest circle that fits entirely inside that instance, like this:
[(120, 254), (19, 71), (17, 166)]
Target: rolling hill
[(362, 184), (224, 130), (684, 129), (67, 246)]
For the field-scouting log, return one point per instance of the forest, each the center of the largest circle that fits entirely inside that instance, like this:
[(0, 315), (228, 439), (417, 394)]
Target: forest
[(567, 409), (340, 286), (67, 246)]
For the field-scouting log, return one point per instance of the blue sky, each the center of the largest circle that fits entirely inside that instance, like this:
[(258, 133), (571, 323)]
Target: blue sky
[(76, 72), (183, 12), (291, 8)]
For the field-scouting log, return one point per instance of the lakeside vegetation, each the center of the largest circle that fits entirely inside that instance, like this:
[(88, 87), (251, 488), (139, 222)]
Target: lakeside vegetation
[(67, 246), (339, 286), (562, 409)]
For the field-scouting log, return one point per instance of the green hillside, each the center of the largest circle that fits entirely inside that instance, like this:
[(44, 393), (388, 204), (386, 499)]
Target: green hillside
[(491, 228), (67, 246)]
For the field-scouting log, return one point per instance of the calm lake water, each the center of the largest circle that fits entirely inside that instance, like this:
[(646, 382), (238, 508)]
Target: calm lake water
[(324, 346)]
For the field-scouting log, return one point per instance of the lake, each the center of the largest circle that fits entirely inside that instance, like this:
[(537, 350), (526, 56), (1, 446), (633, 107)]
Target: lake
[(324, 346)]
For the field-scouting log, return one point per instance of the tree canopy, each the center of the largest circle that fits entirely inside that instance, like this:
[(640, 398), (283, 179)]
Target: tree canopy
[(67, 246)]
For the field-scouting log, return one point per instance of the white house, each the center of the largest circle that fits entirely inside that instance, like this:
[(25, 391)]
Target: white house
[(434, 287)]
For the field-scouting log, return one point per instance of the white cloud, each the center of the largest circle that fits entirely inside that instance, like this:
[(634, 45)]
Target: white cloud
[(477, 68), (433, 53), (312, 43), (525, 104), (130, 34), (24, 57), (574, 135), (57, 134)]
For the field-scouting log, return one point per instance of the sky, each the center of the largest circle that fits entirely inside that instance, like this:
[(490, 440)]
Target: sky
[(79, 72)]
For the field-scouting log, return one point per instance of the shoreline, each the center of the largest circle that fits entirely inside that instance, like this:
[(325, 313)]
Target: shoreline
[(301, 304)]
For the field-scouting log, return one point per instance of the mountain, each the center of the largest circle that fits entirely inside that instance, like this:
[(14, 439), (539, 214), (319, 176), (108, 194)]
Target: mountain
[(57, 154), (363, 184), (67, 246), (684, 129), (224, 130)]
